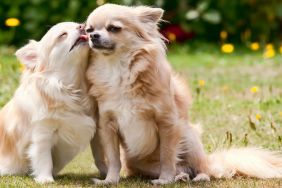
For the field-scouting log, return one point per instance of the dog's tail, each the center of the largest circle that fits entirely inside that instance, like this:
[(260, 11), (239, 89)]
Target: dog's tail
[(252, 162)]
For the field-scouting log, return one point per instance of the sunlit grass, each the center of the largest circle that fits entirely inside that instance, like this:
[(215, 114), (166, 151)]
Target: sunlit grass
[(237, 100)]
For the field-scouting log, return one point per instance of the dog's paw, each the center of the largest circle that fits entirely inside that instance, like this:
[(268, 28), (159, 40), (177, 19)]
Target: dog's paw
[(182, 177), (104, 182), (102, 170), (161, 181), (201, 177), (44, 179)]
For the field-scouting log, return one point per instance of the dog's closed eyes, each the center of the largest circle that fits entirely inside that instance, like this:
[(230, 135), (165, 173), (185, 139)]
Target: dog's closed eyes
[(113, 28), (48, 121)]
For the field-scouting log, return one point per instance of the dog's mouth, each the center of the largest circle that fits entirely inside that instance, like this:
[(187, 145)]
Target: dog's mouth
[(102, 47), (83, 38)]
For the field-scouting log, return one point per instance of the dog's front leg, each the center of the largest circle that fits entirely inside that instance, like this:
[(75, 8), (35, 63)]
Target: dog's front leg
[(108, 132), (40, 153), (98, 154), (169, 134)]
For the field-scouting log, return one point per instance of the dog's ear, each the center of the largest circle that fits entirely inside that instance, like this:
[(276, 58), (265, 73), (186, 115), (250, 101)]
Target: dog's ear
[(149, 15), (28, 55)]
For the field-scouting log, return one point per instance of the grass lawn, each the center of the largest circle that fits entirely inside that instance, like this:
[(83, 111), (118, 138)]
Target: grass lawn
[(237, 100)]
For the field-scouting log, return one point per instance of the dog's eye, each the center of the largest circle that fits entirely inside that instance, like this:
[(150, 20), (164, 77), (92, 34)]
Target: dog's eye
[(89, 30), (63, 35), (113, 29)]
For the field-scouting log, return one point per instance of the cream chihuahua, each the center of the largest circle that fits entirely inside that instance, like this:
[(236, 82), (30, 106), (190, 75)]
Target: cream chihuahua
[(49, 119), (143, 106)]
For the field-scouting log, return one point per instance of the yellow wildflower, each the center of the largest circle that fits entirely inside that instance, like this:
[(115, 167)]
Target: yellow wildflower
[(171, 37), (280, 113), (201, 83), (12, 22), (254, 89), (223, 35), (280, 49), (258, 117), (254, 46), (269, 53), (227, 48), (269, 46)]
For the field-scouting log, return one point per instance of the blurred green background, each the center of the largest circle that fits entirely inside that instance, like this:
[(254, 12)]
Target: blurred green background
[(229, 51), (232, 21)]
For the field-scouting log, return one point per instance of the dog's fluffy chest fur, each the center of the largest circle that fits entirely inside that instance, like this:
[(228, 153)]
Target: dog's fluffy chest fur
[(52, 100), (138, 133), (108, 79), (112, 85)]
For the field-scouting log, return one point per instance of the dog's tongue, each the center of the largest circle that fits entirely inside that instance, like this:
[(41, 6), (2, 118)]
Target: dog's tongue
[(83, 37)]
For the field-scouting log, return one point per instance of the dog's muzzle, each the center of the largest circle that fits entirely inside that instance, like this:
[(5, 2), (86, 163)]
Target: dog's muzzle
[(99, 43), (83, 38)]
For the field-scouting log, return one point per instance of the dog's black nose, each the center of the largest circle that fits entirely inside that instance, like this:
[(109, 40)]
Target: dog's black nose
[(81, 27), (95, 36)]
